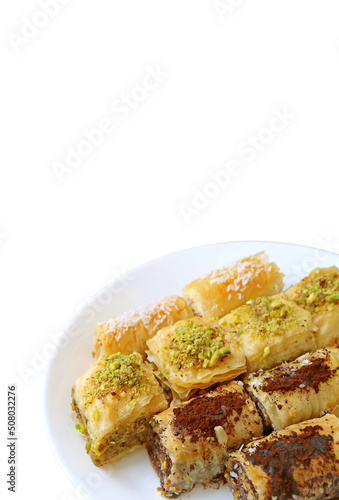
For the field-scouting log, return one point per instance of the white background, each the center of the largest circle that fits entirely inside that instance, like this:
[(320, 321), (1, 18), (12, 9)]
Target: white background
[(229, 70)]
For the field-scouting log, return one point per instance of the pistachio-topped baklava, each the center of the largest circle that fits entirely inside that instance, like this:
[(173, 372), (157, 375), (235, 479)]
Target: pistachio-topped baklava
[(271, 330), (114, 401), (318, 293), (189, 444), (194, 354)]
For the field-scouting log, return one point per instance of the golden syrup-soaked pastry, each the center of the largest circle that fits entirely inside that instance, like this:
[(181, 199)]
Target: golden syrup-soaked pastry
[(129, 332), (189, 444), (217, 293), (318, 293), (300, 390), (195, 354), (114, 401), (335, 411), (300, 462), (271, 330)]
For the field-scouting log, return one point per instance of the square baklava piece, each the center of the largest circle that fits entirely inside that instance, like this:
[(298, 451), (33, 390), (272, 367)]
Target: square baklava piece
[(194, 354), (271, 330), (318, 294), (114, 401)]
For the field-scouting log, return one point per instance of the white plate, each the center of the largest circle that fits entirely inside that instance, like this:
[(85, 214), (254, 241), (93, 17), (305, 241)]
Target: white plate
[(133, 477)]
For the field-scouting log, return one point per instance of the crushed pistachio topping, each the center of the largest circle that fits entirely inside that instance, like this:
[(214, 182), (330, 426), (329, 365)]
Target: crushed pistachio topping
[(317, 291), (81, 428), (120, 374), (194, 344), (266, 354), (95, 414), (263, 317)]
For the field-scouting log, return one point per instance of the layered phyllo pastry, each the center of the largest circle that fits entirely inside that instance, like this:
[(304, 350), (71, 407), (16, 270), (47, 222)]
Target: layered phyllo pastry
[(114, 401), (217, 293), (297, 391), (129, 332), (189, 444), (271, 330), (300, 462), (194, 354), (318, 293)]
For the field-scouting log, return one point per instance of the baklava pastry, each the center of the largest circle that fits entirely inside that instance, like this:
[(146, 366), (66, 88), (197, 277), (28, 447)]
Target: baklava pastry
[(318, 293), (300, 462), (129, 332), (217, 293), (194, 354), (297, 391), (189, 444), (271, 330), (114, 401)]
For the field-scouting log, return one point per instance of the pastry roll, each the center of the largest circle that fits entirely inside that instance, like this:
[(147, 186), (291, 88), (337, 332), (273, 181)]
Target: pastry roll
[(189, 444), (217, 293), (114, 401), (297, 391), (318, 293), (128, 333), (300, 462), (271, 330), (195, 354)]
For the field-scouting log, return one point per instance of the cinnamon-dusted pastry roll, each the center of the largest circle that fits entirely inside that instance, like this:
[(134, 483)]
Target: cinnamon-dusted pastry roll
[(195, 354), (128, 333), (300, 462), (271, 330), (114, 401), (297, 391), (190, 443), (318, 293), (217, 293)]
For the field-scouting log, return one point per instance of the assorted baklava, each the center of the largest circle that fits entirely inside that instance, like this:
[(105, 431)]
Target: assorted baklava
[(165, 378)]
